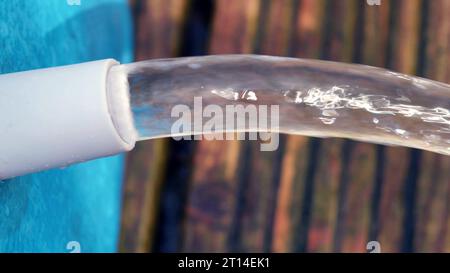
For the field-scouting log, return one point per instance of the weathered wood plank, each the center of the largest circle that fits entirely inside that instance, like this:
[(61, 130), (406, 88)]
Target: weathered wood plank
[(376, 34), (353, 208), (326, 232), (374, 52), (144, 178), (309, 31), (234, 27), (213, 195), (433, 194), (402, 57), (263, 173), (360, 175), (158, 28), (146, 164), (290, 195), (295, 196)]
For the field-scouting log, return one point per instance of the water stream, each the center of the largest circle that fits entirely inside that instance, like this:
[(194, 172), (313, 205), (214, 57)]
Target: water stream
[(315, 98)]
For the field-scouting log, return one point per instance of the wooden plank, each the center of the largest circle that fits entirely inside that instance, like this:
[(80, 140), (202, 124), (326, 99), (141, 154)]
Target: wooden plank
[(294, 201), (374, 52), (442, 240), (211, 200), (144, 177), (360, 189), (290, 195), (263, 173), (325, 234), (442, 243), (309, 31), (376, 34), (358, 158), (405, 35), (402, 57), (277, 28), (158, 28), (433, 195), (326, 180), (432, 201), (212, 196), (361, 172), (342, 28), (437, 41), (240, 31), (396, 160), (146, 164)]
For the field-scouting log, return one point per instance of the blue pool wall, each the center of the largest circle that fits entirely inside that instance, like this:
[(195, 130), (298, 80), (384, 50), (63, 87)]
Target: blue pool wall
[(44, 212)]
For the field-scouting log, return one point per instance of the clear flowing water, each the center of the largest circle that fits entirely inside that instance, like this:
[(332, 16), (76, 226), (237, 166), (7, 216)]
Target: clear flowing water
[(315, 98)]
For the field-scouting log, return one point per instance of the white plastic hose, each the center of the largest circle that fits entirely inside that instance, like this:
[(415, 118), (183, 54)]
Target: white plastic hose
[(58, 116)]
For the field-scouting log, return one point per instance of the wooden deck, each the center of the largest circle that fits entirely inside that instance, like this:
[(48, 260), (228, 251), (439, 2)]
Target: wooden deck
[(311, 195)]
